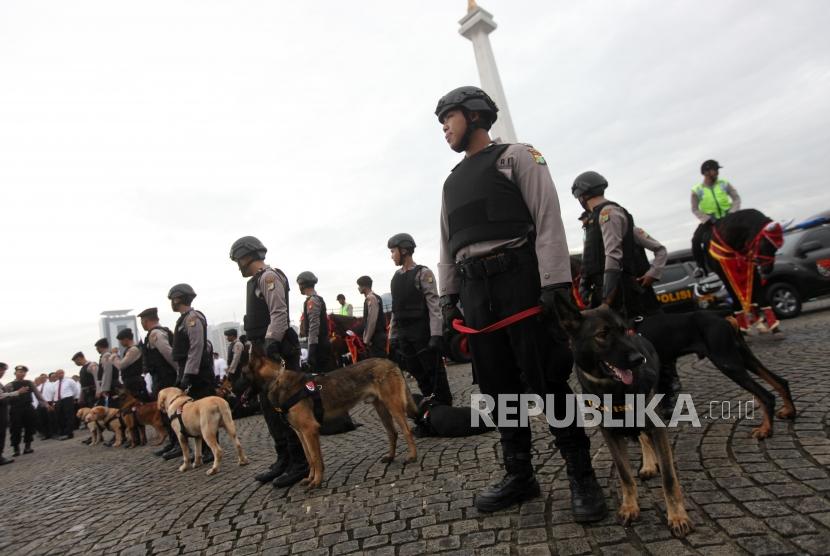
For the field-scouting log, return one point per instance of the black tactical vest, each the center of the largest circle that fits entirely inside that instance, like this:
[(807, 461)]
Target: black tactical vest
[(181, 346), (634, 259), (134, 369), (323, 336), (408, 302), (257, 315), (87, 380), (154, 361), (482, 204), (380, 325), (21, 402)]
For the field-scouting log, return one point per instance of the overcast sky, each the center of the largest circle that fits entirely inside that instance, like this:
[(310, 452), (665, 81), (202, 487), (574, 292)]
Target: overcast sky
[(139, 140)]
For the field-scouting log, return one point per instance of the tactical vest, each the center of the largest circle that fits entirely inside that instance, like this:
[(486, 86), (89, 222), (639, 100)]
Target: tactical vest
[(181, 346), (482, 204), (408, 302), (87, 380), (257, 315), (134, 369), (380, 323), (19, 403), (714, 201), (634, 259), (154, 361), (323, 336)]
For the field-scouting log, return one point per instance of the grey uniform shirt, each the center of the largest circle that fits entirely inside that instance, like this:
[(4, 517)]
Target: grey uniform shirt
[(313, 306), (371, 318), (526, 168), (429, 288), (645, 241), (272, 289), (106, 381), (236, 353), (195, 327), (731, 191), (158, 340), (132, 355)]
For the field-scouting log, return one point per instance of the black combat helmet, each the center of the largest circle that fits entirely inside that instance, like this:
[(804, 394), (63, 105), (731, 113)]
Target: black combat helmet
[(248, 245), (183, 291), (589, 183), (306, 278), (401, 241), (471, 99)]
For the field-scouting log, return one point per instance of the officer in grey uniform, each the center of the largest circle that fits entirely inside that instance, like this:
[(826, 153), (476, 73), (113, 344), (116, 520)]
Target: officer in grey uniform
[(615, 269), (160, 365), (131, 365), (267, 324), (503, 250), (235, 349), (88, 374), (107, 375), (374, 319), (315, 325), (415, 330)]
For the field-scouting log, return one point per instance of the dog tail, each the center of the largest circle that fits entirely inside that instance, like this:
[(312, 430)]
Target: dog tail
[(411, 407), (227, 419)]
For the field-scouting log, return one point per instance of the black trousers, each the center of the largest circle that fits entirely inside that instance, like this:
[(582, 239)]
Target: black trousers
[(4, 422), (45, 422), (65, 415), (22, 420), (425, 364), (136, 386), (378, 346), (522, 358)]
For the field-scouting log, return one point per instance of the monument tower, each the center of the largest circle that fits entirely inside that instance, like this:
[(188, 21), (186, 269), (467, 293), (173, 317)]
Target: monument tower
[(477, 26)]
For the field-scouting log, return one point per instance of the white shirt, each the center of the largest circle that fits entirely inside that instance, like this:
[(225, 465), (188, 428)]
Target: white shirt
[(220, 367), (68, 389)]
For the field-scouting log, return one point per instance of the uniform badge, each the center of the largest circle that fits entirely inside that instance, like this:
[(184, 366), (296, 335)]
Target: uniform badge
[(191, 322), (604, 215), (643, 234), (430, 279), (537, 156), (270, 282)]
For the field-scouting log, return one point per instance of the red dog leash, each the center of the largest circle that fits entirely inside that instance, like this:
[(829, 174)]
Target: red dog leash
[(458, 324)]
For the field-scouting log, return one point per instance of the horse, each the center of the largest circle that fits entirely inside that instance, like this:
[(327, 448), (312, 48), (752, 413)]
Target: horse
[(346, 339), (740, 249)]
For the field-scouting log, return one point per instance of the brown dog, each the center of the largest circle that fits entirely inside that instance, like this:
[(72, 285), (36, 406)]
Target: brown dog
[(200, 419), (376, 380), (100, 419), (146, 413)]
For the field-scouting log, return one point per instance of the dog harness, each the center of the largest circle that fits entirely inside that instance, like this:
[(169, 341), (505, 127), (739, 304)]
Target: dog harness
[(178, 415), (310, 390)]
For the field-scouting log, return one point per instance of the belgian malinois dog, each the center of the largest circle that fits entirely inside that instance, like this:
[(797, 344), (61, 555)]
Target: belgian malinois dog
[(608, 359), (145, 413), (377, 380)]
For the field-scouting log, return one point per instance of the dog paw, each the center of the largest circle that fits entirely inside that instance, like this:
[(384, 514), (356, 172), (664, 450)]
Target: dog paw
[(411, 459), (680, 526), (184, 467), (785, 413), (211, 471), (387, 459), (628, 514), (646, 473), (761, 432), (244, 461)]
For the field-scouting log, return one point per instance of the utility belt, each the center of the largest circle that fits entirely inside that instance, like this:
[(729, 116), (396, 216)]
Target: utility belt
[(480, 268)]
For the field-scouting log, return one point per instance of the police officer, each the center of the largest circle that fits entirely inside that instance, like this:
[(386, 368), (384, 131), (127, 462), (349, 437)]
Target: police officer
[(615, 270), (235, 348), (267, 324), (712, 199), (107, 375), (131, 365), (503, 250), (159, 364), (346, 309), (5, 397), (315, 325), (88, 372), (415, 328), (22, 415), (374, 319)]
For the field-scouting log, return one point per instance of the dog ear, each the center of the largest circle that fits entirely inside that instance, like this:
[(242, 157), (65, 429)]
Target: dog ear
[(569, 316)]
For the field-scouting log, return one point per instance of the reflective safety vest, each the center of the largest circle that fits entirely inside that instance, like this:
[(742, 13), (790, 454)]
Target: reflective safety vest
[(345, 310), (714, 201)]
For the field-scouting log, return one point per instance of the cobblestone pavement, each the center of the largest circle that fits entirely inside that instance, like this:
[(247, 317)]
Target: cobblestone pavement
[(767, 497)]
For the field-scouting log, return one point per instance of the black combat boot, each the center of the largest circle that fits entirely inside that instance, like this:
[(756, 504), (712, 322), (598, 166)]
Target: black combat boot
[(278, 467), (175, 453), (297, 469), (164, 449), (27, 448), (519, 484), (587, 498), (15, 451), (668, 385)]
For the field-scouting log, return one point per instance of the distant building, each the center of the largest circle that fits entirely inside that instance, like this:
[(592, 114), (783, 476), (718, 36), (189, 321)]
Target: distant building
[(113, 322)]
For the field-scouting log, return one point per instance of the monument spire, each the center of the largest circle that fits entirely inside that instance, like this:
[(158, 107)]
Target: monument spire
[(477, 26)]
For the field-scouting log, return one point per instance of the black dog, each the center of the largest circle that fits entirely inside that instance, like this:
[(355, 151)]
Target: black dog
[(718, 339), (609, 359)]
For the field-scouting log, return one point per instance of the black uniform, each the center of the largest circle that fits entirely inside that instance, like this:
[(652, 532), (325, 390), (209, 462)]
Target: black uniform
[(132, 376), (22, 415), (201, 370), (87, 386)]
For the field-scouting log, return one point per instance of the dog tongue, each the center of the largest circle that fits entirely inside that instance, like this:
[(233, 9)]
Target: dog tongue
[(625, 375)]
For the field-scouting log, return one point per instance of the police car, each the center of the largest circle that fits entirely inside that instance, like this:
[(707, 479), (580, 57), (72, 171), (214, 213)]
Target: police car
[(679, 290)]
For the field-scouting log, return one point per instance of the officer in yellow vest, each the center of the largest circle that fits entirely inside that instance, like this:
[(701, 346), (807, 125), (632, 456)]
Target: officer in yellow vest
[(712, 199)]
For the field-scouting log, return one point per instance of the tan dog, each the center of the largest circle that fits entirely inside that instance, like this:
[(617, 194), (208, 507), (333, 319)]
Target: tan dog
[(99, 419), (377, 380), (202, 419), (146, 413)]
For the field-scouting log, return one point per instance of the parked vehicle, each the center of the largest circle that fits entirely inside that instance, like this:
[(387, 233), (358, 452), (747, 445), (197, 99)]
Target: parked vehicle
[(680, 289)]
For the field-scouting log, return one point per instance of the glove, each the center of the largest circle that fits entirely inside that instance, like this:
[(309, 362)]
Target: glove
[(449, 310), (584, 291), (312, 357), (610, 284), (552, 298), (272, 349), (187, 382), (436, 343)]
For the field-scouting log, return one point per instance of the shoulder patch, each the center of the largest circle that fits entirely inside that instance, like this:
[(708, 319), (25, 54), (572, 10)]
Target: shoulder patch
[(310, 303), (537, 156), (642, 233), (270, 281), (191, 322), (604, 215)]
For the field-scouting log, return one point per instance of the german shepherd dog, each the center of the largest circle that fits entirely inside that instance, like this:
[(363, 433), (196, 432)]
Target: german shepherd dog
[(719, 339), (377, 380), (145, 413), (610, 360)]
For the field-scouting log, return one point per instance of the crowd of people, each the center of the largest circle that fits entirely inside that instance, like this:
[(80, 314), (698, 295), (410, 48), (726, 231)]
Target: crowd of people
[(503, 251)]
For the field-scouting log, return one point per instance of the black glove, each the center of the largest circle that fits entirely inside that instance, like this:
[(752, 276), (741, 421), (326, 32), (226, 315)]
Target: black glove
[(186, 382), (312, 357), (436, 343), (449, 311), (553, 297), (610, 284)]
